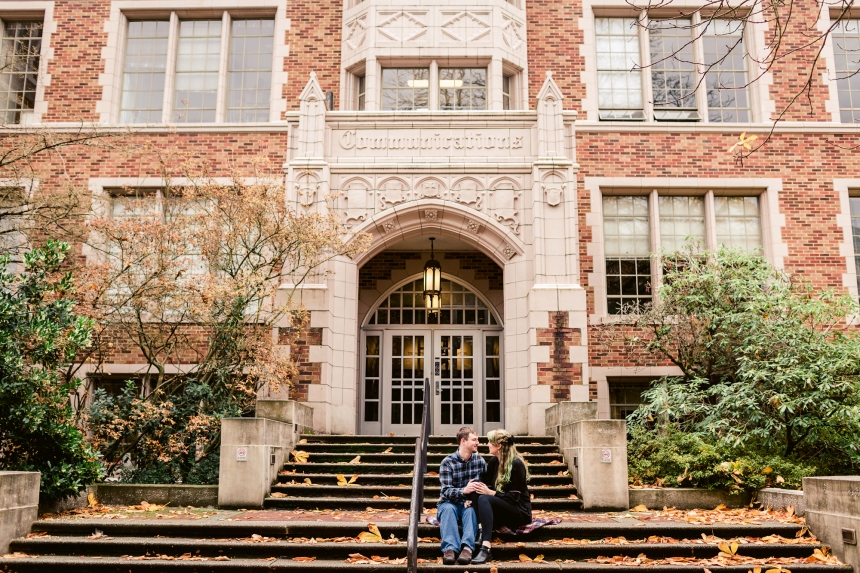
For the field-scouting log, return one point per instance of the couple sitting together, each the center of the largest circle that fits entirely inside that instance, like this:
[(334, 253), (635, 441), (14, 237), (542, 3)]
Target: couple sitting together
[(493, 493)]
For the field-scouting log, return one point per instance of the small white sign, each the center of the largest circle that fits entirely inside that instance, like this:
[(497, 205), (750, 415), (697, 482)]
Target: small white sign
[(606, 456), (241, 454)]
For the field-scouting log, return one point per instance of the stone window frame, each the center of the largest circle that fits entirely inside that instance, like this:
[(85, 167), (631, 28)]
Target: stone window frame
[(113, 54), (30, 187), (848, 188), (35, 10), (767, 189), (760, 103), (601, 374), (371, 69)]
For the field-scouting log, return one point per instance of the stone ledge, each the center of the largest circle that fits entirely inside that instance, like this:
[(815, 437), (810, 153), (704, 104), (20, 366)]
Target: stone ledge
[(168, 494), (19, 505), (686, 498), (776, 498)]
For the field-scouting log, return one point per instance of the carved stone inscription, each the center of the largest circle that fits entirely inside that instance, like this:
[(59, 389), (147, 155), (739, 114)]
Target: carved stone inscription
[(478, 142)]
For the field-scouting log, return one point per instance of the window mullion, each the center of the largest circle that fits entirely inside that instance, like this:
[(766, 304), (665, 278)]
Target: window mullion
[(710, 222), (645, 59), (170, 69), (495, 79), (221, 98), (656, 259), (433, 95), (699, 59)]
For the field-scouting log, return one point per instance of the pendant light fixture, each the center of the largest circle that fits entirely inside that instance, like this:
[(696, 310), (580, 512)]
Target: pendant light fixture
[(432, 283)]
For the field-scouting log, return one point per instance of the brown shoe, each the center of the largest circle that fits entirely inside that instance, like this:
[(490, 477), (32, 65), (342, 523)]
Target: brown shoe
[(448, 557), (465, 556)]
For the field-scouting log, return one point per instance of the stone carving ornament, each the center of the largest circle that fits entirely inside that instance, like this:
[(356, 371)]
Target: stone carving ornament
[(553, 189), (307, 186), (505, 210), (393, 192), (469, 193), (356, 197)]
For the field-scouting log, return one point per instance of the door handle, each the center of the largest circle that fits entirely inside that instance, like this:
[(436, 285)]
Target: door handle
[(436, 370)]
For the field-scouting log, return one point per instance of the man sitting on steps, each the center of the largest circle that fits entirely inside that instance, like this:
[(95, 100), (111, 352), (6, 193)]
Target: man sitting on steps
[(457, 476)]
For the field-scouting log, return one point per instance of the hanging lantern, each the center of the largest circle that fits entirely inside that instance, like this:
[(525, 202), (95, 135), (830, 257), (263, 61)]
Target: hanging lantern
[(432, 283)]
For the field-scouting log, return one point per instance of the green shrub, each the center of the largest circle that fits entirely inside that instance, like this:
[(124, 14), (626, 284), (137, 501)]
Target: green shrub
[(681, 459), (39, 333)]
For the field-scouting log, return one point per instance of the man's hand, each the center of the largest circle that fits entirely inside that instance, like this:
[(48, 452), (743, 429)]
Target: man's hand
[(468, 503), (470, 487)]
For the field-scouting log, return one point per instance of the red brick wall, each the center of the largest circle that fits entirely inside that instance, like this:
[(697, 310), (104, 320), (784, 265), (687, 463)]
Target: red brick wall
[(308, 372), (554, 38), (77, 61), (559, 373), (379, 267), (314, 40)]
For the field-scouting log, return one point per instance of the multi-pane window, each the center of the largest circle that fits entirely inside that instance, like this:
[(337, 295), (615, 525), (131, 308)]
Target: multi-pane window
[(462, 88), (19, 68), (625, 396), (673, 74), (405, 89), (726, 71), (619, 82), (627, 245), (197, 61), (250, 70), (738, 223), (628, 241), (362, 92), (198, 81), (459, 306), (855, 233), (682, 219), (846, 52), (144, 72), (506, 92), (493, 379), (371, 377)]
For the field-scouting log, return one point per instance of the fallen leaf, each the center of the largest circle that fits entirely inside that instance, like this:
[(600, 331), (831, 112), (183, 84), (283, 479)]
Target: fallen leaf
[(342, 480), (277, 494), (780, 479), (300, 457), (539, 559), (97, 535), (640, 507), (555, 463), (304, 559), (92, 500), (525, 558), (303, 441), (432, 473), (371, 536), (388, 451), (355, 460), (308, 481)]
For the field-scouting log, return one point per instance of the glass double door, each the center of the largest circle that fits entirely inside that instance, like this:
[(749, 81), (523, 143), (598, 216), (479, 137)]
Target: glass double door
[(464, 370)]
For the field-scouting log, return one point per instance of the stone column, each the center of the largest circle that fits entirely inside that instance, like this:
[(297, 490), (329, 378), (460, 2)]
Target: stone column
[(558, 356)]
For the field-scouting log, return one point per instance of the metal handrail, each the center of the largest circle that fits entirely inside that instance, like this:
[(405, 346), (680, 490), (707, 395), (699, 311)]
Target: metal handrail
[(416, 504)]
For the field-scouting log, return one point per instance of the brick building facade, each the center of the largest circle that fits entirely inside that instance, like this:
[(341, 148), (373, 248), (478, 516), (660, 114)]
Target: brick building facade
[(521, 134)]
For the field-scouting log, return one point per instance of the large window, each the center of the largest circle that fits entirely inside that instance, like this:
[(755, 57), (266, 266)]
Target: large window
[(459, 306), (206, 87), (405, 89), (670, 82), (463, 88), (625, 396), (855, 233), (629, 241), (846, 52), (19, 68)]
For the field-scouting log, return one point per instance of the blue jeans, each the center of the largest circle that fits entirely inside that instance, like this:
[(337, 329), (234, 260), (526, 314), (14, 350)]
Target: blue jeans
[(451, 516)]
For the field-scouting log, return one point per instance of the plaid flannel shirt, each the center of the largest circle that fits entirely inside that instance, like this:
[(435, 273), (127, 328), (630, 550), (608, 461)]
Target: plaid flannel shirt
[(455, 473)]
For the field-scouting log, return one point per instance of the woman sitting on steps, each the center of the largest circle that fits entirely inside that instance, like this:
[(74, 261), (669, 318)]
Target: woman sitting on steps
[(502, 496)]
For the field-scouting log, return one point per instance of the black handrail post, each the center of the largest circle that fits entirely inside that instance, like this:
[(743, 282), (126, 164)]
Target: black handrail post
[(419, 470)]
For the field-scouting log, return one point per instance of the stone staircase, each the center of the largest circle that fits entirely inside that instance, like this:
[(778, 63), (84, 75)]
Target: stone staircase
[(321, 521), (385, 473)]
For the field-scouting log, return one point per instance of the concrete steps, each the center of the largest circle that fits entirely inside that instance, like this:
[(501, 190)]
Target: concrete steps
[(300, 522), (152, 545), (385, 477)]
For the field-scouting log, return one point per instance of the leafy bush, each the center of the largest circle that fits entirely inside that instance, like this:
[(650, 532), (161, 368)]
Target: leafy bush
[(39, 333), (770, 376), (678, 459)]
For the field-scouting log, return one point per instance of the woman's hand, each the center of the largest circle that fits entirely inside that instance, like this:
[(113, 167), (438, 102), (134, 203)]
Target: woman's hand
[(468, 503), (482, 489)]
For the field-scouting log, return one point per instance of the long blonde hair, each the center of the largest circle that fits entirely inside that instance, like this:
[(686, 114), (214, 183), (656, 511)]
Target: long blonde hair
[(504, 440)]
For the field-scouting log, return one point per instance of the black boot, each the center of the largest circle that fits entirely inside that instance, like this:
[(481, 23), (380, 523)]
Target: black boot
[(483, 555)]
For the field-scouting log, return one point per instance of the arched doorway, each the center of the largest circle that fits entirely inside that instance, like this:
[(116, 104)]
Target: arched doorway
[(459, 350)]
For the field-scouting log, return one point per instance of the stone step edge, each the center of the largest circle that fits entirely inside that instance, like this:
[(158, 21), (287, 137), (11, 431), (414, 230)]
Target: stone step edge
[(71, 564)]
